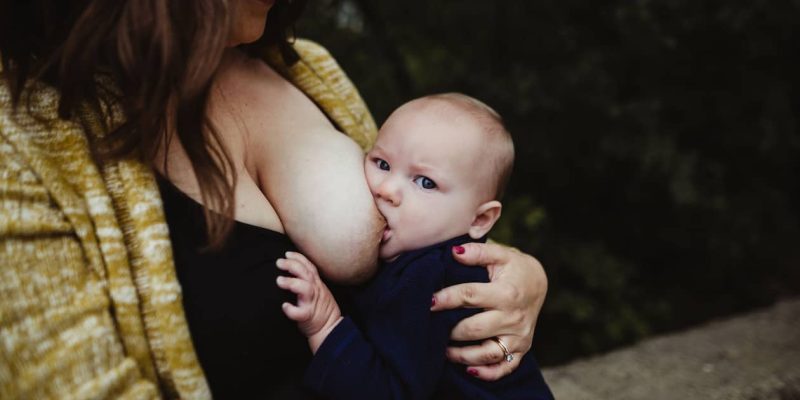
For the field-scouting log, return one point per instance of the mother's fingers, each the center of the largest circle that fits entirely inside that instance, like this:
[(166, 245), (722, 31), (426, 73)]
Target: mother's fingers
[(495, 371), (486, 361), (461, 295), (488, 352), (473, 295), (476, 327), (490, 324), (479, 254)]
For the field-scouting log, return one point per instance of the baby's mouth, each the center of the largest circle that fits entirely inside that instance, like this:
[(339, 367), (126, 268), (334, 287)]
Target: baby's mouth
[(387, 234)]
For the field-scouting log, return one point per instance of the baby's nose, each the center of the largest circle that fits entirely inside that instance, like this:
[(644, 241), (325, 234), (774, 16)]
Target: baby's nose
[(390, 192)]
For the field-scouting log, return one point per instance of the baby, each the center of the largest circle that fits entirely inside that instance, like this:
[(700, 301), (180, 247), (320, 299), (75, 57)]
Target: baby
[(436, 172)]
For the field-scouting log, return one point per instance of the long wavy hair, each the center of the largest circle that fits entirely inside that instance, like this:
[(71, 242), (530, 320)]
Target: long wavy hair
[(161, 57)]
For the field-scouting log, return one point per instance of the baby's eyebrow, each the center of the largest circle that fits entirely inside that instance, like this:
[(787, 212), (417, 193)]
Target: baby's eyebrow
[(424, 168), (376, 148)]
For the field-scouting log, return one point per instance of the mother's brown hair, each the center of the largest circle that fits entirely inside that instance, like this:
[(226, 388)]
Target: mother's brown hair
[(161, 57)]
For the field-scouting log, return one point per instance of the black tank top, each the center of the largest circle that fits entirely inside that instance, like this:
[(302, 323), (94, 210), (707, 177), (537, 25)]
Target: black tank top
[(245, 344)]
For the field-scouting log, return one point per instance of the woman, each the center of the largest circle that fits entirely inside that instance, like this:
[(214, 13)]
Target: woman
[(91, 304)]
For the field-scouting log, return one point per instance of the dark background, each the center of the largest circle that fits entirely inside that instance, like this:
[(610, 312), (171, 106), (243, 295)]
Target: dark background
[(657, 144)]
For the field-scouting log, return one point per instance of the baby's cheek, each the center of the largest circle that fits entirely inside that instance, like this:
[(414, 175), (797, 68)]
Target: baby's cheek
[(416, 215), (425, 223)]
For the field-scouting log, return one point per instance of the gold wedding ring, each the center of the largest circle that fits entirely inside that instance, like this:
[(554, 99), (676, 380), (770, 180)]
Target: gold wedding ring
[(506, 354)]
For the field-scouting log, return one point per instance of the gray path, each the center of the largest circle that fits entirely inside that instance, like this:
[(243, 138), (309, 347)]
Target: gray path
[(751, 356)]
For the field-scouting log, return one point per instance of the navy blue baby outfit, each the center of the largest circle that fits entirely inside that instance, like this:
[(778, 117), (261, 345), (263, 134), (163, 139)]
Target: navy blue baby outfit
[(394, 346)]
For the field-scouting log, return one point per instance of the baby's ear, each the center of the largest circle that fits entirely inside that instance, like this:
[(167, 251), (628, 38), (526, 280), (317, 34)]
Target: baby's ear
[(485, 217)]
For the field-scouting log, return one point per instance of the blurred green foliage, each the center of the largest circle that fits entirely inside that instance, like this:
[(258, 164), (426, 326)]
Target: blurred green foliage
[(658, 151)]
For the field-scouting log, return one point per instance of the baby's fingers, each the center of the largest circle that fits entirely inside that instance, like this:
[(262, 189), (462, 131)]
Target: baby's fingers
[(301, 288), (296, 313), (297, 257), (293, 255), (295, 268)]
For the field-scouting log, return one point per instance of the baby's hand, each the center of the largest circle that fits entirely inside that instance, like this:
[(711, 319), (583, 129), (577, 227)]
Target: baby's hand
[(316, 311)]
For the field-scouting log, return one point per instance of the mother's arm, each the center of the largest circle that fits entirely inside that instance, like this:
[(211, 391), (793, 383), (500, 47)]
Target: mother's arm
[(512, 301)]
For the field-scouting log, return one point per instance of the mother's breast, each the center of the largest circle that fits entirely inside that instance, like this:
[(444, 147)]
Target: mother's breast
[(311, 174), (315, 180)]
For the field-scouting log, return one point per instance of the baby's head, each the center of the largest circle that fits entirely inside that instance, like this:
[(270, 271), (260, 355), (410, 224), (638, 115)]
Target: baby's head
[(438, 170)]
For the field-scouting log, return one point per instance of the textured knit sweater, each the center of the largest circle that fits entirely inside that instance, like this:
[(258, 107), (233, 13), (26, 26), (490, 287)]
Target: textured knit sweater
[(90, 306)]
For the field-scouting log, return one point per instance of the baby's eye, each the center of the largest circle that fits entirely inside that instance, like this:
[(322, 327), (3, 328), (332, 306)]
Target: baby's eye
[(382, 164), (425, 182)]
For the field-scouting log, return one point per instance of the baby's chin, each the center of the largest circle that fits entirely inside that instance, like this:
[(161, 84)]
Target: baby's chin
[(386, 254), (389, 257)]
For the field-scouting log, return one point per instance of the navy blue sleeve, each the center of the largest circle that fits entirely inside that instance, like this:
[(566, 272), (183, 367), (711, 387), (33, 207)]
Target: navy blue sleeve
[(400, 354)]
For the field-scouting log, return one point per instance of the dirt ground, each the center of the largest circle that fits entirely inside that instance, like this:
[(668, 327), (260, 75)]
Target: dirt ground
[(750, 356)]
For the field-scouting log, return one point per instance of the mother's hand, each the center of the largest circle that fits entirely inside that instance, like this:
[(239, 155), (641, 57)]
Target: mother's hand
[(512, 301)]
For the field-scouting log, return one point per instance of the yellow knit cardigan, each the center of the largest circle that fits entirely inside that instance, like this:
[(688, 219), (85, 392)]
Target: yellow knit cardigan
[(90, 306)]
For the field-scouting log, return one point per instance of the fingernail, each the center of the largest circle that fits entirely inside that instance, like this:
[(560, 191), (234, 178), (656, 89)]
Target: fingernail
[(459, 250), (433, 301), (472, 371)]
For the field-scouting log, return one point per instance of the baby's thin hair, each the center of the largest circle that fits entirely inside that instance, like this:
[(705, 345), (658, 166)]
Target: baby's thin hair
[(500, 142)]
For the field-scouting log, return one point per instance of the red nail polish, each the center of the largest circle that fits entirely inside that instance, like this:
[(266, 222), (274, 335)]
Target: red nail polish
[(459, 249), (472, 371), (433, 301)]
